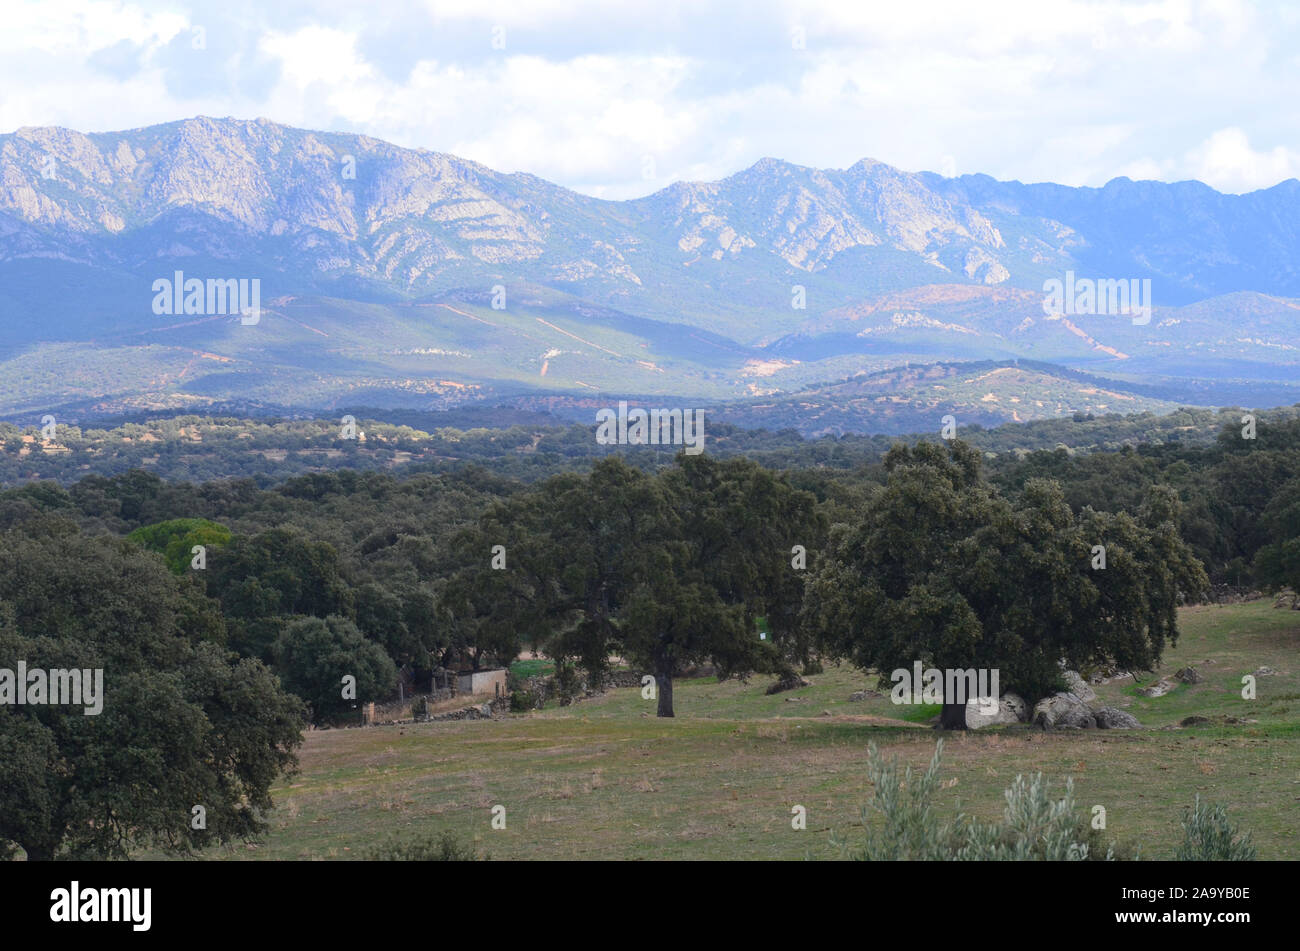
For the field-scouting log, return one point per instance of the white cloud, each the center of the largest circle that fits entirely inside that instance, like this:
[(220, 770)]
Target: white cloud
[(1227, 161), (1074, 91), (318, 54), (76, 29)]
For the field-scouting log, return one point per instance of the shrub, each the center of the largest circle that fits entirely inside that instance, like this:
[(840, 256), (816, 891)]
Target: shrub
[(1208, 836), (1033, 827), (443, 847), (566, 682), (911, 831), (521, 701)]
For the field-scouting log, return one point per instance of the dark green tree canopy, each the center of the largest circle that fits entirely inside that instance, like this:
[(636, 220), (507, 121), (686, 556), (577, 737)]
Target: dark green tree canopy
[(943, 570), (183, 723), (666, 570), (313, 655)]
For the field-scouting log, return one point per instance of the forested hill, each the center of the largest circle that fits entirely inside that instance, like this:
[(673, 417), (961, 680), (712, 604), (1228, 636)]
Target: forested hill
[(202, 448), (1234, 481)]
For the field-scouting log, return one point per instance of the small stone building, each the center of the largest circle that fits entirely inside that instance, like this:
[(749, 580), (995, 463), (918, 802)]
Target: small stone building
[(491, 682)]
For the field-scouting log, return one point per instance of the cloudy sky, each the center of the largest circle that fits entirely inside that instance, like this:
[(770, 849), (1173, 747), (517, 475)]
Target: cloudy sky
[(619, 98)]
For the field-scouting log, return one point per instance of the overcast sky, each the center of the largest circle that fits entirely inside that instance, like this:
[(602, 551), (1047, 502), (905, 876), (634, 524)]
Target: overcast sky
[(619, 98)]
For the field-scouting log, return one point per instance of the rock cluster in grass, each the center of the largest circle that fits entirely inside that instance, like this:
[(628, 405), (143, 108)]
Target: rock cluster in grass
[(1223, 719), (859, 695), (1159, 688), (790, 682), (1076, 685), (1069, 711), (1106, 673), (1111, 718), (1011, 709)]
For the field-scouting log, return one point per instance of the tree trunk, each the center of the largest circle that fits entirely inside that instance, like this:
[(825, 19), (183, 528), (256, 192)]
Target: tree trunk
[(664, 685), (953, 716)]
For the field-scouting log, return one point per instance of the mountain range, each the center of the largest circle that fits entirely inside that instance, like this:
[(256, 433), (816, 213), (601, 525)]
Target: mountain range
[(404, 277)]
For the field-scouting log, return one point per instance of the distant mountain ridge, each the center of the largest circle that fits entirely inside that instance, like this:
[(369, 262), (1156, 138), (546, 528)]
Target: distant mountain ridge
[(380, 268), (405, 218)]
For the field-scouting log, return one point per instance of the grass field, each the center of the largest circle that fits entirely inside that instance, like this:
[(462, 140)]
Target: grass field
[(606, 779)]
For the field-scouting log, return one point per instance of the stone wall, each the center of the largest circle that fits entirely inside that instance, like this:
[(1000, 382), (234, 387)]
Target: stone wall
[(479, 711), (535, 691), (540, 689)]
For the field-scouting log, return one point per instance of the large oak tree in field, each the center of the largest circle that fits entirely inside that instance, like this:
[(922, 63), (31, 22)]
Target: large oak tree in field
[(941, 569), (742, 524), (666, 570)]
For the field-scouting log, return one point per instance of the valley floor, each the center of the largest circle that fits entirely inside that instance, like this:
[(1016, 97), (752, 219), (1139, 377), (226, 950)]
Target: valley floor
[(606, 779)]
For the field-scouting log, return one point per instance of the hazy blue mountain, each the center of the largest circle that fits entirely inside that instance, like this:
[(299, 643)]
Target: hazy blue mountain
[(377, 268)]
